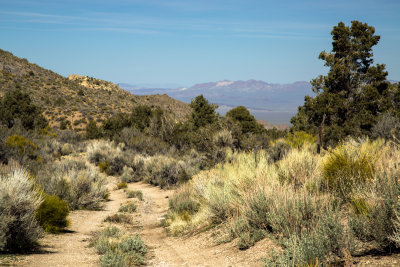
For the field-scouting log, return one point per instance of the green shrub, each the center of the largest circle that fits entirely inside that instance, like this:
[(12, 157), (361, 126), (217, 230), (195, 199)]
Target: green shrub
[(129, 207), (52, 214), (134, 244)]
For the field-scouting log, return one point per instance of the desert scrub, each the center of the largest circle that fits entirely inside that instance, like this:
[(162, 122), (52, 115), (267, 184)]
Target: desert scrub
[(110, 158), (19, 200), (52, 214), (81, 186), (129, 207), (119, 249)]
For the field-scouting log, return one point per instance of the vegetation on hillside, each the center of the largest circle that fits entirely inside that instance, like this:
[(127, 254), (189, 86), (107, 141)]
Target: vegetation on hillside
[(72, 103)]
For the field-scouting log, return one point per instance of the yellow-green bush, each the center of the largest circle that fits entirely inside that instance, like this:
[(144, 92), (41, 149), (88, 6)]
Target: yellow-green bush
[(299, 139), (52, 214), (349, 166)]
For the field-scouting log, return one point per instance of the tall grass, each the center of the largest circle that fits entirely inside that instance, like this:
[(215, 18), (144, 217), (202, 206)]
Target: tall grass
[(316, 206)]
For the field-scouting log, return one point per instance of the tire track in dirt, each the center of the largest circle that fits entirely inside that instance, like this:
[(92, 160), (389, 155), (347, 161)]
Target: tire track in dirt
[(197, 250)]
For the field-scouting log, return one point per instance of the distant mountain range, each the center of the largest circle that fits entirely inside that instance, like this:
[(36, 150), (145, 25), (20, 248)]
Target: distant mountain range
[(253, 94), (261, 98)]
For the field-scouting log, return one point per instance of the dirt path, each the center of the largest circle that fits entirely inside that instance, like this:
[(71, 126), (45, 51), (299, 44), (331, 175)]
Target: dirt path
[(198, 250), (71, 249)]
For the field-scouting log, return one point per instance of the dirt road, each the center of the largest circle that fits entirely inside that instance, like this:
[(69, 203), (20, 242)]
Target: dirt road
[(72, 248)]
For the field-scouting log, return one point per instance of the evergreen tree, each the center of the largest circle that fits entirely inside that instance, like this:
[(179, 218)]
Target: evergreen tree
[(352, 94), (246, 121), (203, 112)]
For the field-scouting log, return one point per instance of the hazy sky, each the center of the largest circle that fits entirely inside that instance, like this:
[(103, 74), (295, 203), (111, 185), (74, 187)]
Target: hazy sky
[(183, 42)]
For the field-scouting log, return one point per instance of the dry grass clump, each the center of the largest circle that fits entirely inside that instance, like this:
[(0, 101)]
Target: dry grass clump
[(81, 186), (19, 200)]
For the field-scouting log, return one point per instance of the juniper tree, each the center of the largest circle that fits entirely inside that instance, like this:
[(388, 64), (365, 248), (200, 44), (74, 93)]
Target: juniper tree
[(352, 94)]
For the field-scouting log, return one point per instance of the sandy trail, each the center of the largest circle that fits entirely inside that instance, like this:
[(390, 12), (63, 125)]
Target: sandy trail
[(72, 249)]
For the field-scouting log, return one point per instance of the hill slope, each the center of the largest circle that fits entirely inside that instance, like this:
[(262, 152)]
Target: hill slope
[(77, 99)]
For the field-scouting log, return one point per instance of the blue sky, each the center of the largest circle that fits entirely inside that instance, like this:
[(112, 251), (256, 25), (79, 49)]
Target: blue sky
[(183, 42)]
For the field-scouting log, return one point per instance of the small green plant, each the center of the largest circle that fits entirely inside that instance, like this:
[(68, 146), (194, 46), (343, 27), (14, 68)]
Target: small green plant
[(122, 185), (129, 207), (104, 166), (52, 214)]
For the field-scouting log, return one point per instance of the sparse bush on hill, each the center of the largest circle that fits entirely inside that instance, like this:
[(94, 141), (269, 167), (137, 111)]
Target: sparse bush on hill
[(18, 105), (19, 200)]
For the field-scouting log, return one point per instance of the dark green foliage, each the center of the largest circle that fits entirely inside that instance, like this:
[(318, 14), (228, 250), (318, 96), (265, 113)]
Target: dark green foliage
[(92, 131), (246, 121), (203, 113), (140, 117), (353, 92), (52, 214), (114, 125), (18, 105)]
